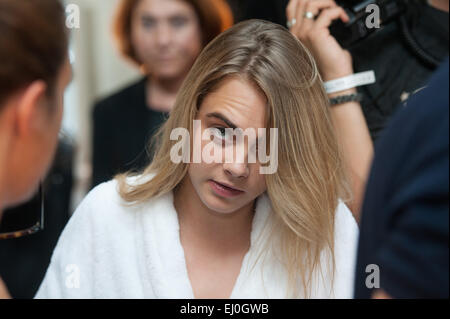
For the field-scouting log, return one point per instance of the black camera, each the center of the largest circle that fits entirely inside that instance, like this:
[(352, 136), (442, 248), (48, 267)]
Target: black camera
[(361, 21)]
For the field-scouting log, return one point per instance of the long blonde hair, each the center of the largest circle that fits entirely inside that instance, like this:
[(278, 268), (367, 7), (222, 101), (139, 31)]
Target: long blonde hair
[(310, 179)]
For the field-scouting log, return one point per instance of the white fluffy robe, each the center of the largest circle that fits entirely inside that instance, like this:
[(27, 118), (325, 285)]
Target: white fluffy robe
[(109, 250)]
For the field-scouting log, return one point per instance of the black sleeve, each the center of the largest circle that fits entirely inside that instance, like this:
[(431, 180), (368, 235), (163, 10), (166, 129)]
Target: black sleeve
[(102, 148), (413, 258)]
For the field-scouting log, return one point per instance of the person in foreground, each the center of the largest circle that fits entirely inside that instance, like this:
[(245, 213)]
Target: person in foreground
[(34, 72), (403, 249), (225, 229)]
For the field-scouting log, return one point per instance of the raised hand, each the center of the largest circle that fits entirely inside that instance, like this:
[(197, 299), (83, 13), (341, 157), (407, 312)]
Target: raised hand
[(309, 21)]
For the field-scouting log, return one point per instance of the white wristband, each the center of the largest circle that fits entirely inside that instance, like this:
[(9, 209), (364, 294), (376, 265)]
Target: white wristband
[(350, 82)]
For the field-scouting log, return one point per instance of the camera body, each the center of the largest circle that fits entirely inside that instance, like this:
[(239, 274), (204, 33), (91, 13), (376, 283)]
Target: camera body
[(357, 29)]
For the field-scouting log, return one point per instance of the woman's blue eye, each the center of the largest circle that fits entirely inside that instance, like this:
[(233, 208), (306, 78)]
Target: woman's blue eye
[(222, 130), (178, 22), (148, 23)]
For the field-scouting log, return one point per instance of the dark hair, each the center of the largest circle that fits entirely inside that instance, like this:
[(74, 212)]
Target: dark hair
[(215, 16), (33, 44)]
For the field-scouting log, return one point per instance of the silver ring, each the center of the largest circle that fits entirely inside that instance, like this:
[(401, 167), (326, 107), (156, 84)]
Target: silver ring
[(291, 23), (309, 15)]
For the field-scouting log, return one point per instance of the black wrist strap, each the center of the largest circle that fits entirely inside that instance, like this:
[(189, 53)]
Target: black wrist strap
[(356, 97)]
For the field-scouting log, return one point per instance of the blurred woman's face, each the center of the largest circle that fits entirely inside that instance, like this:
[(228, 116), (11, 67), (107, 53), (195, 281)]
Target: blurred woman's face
[(166, 36)]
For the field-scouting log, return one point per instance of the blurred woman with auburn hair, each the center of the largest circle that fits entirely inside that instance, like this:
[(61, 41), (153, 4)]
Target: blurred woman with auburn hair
[(162, 38)]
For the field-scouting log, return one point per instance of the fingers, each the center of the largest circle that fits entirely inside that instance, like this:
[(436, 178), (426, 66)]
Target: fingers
[(315, 7), (327, 17), (331, 59), (299, 13), (291, 9), (297, 8), (325, 11)]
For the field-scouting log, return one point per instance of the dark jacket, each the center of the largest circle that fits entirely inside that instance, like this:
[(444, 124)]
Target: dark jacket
[(24, 261), (403, 246), (398, 71), (123, 127)]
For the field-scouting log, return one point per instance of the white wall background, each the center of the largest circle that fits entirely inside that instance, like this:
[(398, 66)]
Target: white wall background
[(98, 71)]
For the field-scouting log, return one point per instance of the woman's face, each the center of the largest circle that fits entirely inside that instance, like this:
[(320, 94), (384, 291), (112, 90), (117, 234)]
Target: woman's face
[(35, 147), (166, 36), (236, 103)]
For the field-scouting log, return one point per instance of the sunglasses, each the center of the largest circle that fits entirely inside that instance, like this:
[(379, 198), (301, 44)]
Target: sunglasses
[(24, 220)]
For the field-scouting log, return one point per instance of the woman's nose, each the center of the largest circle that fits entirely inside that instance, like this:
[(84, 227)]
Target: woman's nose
[(163, 35), (236, 162), (236, 170)]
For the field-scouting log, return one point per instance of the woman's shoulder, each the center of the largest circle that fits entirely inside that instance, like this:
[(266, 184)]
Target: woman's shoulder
[(107, 190), (344, 217), (102, 229), (346, 245), (102, 203), (106, 199), (346, 228), (105, 216), (346, 235)]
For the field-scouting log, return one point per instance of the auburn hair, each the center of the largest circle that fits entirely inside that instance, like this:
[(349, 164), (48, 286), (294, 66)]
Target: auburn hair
[(215, 16)]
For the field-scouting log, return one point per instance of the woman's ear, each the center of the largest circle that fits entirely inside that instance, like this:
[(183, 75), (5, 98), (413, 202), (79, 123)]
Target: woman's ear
[(29, 107)]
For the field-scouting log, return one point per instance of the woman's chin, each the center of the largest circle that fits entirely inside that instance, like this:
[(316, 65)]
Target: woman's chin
[(219, 205), (168, 73)]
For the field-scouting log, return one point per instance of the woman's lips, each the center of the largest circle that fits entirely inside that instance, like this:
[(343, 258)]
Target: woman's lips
[(224, 190), (165, 59)]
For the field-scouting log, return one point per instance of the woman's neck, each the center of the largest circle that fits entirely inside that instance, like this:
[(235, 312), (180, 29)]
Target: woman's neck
[(202, 227), (162, 92)]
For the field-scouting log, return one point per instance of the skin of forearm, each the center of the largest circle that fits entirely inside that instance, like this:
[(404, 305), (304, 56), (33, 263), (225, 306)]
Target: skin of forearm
[(356, 143)]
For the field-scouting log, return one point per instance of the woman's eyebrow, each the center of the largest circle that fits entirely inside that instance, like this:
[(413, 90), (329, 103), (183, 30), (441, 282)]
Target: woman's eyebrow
[(147, 16), (178, 16), (223, 118)]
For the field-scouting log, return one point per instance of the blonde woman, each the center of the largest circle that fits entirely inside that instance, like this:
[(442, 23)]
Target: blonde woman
[(224, 230)]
